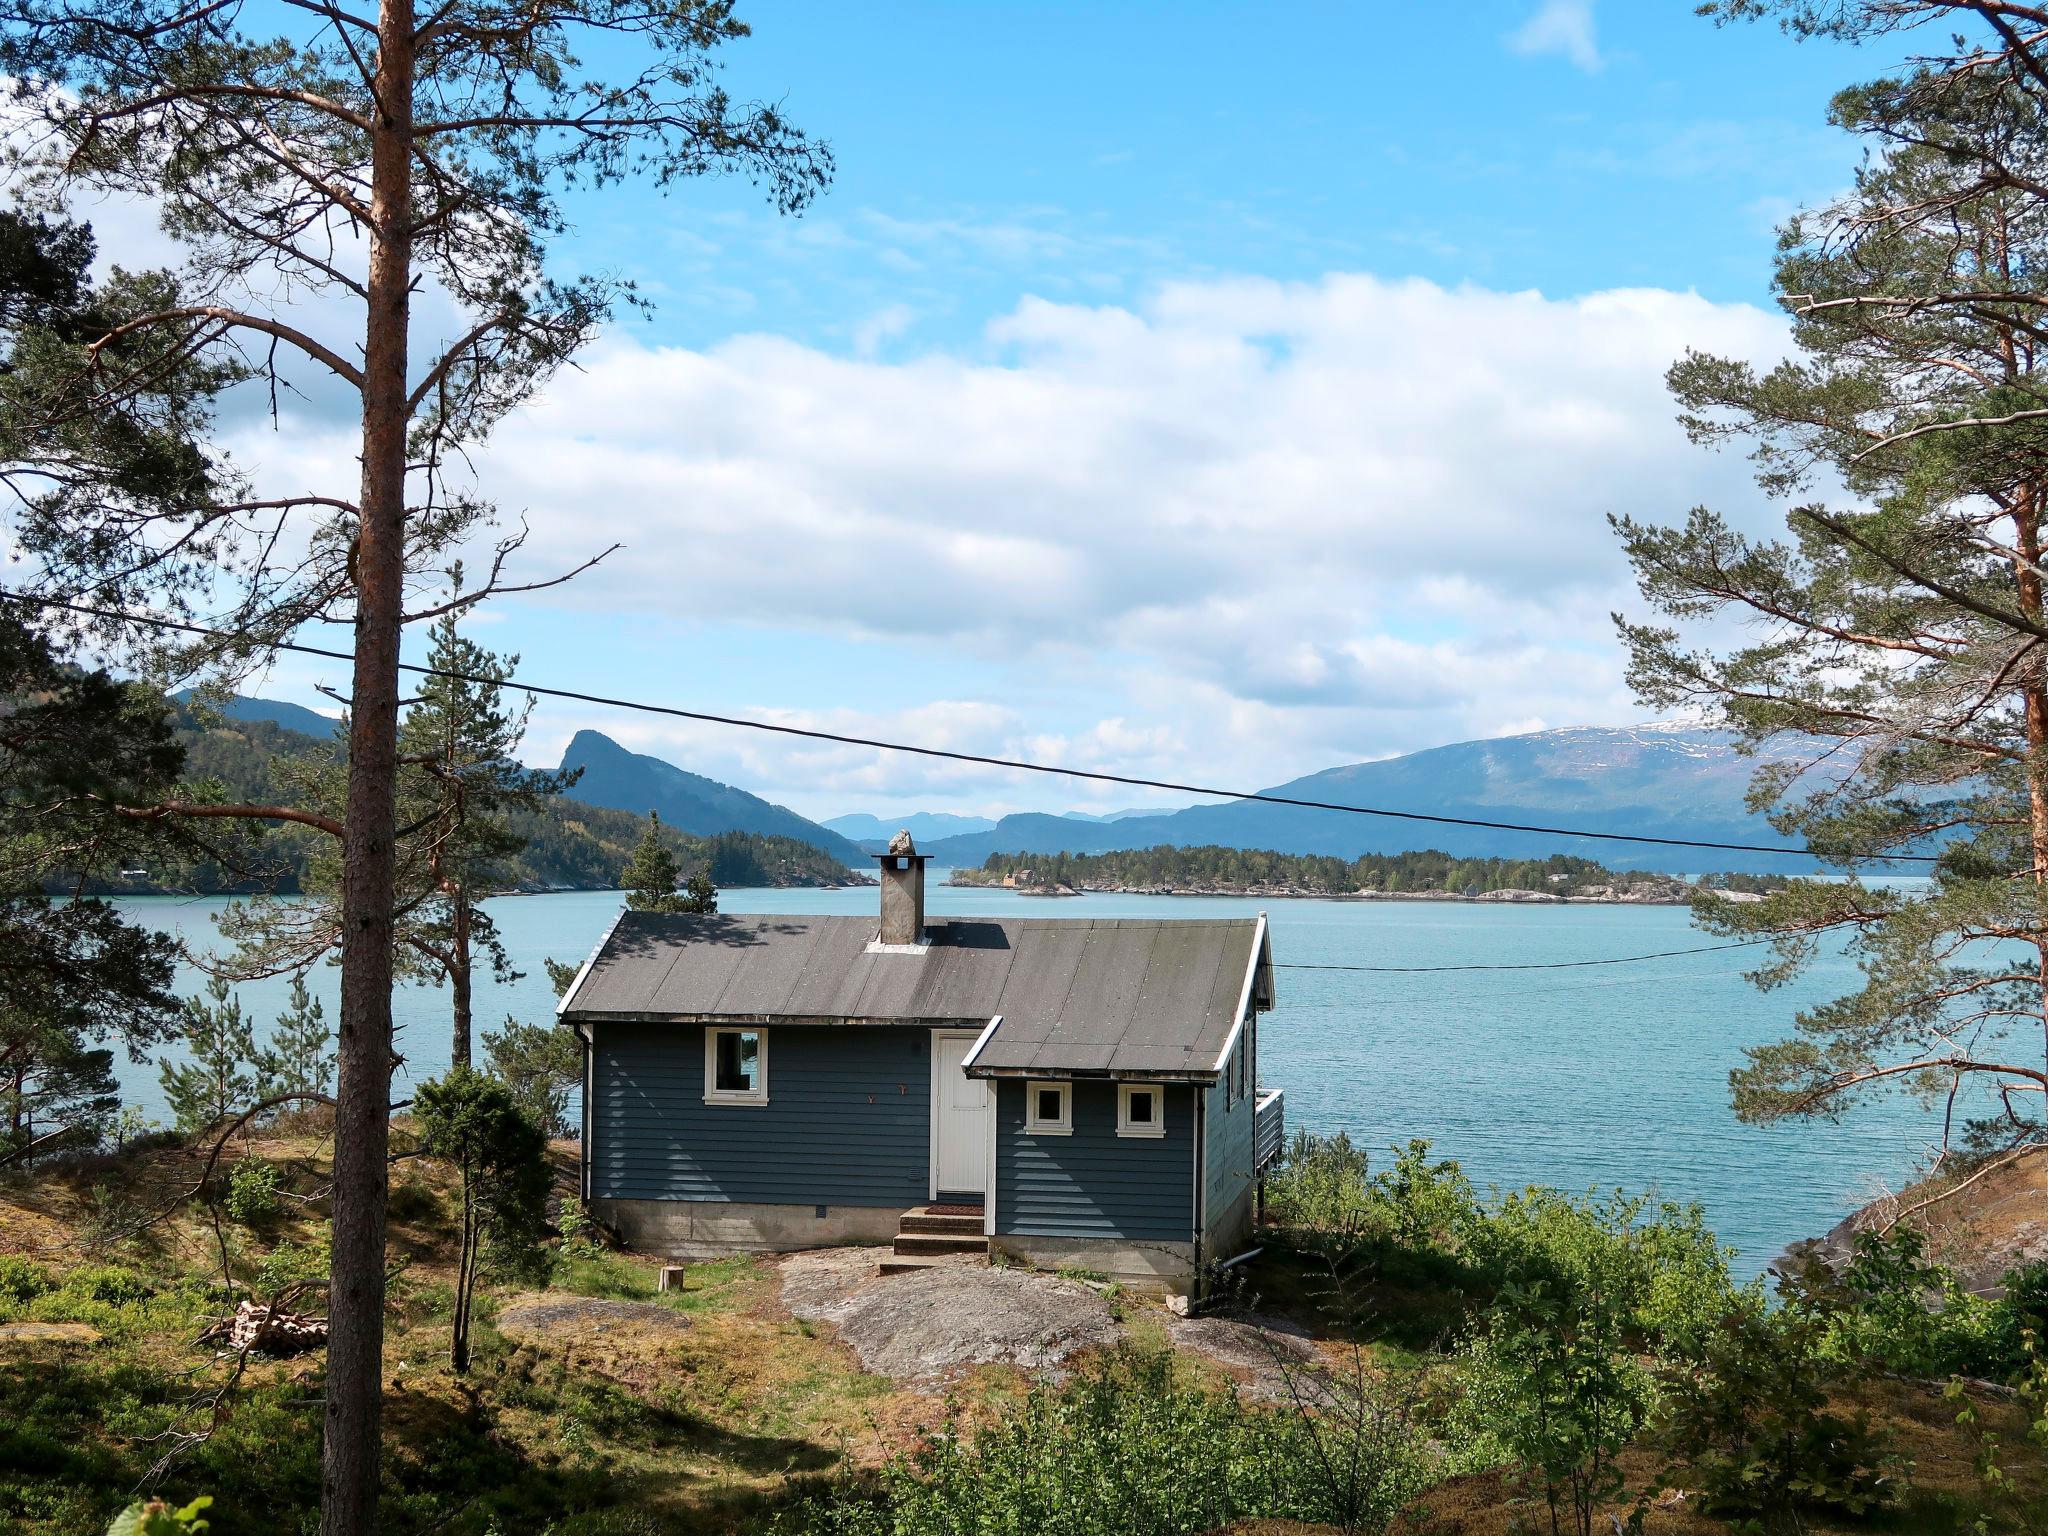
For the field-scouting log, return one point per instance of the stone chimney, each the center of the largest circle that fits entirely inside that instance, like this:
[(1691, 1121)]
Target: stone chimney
[(902, 892)]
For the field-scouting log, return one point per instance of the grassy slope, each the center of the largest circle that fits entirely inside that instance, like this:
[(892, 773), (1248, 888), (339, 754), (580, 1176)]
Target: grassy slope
[(690, 1433), (612, 1435)]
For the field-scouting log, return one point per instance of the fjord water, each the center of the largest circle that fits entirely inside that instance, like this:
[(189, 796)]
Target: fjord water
[(1603, 1076)]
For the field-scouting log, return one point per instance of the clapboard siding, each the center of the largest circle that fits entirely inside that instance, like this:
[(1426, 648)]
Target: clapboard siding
[(1227, 1129), (1095, 1183), (847, 1122)]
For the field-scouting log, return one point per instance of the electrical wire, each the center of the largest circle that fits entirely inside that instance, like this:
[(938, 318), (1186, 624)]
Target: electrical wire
[(1518, 965), (978, 759)]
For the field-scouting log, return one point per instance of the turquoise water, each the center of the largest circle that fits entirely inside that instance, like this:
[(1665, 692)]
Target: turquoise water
[(1608, 1076)]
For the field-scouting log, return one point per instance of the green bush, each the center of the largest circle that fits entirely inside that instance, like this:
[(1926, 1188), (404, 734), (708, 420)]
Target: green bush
[(290, 1262), (253, 1187), (156, 1518), (1656, 1264), (1126, 1448), (1746, 1420), (107, 1283), (20, 1280), (1891, 1309), (1554, 1393), (579, 1236)]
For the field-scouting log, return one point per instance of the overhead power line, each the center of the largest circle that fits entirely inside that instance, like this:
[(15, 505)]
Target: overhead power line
[(1519, 965), (977, 759)]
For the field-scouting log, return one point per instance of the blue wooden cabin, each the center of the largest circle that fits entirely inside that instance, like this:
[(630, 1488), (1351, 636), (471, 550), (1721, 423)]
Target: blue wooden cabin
[(1065, 1091)]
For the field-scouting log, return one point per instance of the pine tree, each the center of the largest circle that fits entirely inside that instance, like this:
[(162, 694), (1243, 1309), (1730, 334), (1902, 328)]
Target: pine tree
[(445, 138), (1891, 650), (56, 1094), (298, 1058), (464, 737), (538, 1064), (653, 879), (217, 1077)]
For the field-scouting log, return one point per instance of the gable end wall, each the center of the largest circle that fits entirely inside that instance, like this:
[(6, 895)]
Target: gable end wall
[(1095, 1183)]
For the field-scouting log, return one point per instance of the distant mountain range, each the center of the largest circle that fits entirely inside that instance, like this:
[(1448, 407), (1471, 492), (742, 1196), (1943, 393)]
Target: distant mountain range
[(1665, 781), (293, 717), (1660, 780), (632, 781)]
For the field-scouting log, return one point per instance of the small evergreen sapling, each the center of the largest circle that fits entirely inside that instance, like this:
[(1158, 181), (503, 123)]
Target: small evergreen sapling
[(299, 1056), (218, 1075), (475, 1125)]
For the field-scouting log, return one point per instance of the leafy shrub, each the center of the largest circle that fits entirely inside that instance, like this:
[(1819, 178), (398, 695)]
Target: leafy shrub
[(1891, 1309), (1657, 1266), (580, 1236), (290, 1262), (1554, 1392), (108, 1283), (20, 1280), (1323, 1184), (1126, 1448), (414, 1201), (1747, 1421), (252, 1191), (156, 1518)]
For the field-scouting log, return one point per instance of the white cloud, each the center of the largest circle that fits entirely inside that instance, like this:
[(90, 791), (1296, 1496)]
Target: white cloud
[(1562, 27), (1261, 527)]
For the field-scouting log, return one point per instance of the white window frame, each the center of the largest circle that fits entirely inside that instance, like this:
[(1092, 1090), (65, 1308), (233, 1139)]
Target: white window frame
[(1125, 1126), (713, 1094), (1064, 1125)]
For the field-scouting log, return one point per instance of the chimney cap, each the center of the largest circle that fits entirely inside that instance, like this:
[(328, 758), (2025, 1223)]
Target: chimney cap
[(902, 853)]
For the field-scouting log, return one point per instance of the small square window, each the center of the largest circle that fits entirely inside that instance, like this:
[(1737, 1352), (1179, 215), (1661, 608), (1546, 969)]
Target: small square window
[(1049, 1109), (1140, 1110), (736, 1066)]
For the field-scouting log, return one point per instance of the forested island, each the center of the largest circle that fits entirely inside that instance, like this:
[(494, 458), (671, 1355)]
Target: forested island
[(1428, 874), (568, 846)]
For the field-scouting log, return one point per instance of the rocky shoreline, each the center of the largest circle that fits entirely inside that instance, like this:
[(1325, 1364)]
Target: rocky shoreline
[(1990, 1224), (1660, 894)]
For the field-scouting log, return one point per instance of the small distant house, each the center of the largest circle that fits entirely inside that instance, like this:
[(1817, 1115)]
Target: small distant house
[(1067, 1091)]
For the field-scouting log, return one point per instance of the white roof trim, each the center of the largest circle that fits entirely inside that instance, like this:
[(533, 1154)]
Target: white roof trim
[(576, 986), (1244, 996), (979, 1041)]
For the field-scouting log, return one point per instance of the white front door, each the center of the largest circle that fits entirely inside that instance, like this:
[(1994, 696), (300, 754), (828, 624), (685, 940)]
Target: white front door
[(961, 1107)]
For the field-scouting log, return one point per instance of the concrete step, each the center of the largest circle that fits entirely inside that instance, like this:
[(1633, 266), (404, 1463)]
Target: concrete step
[(926, 1224), (903, 1266), (918, 1245)]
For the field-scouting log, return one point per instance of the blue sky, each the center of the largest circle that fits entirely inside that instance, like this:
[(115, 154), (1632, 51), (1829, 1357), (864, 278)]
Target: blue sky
[(1195, 391)]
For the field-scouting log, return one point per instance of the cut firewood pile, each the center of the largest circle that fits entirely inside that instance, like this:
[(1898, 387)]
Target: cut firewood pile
[(268, 1328)]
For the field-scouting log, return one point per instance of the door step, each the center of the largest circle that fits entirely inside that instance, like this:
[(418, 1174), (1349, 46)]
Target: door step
[(925, 1233), (927, 1222)]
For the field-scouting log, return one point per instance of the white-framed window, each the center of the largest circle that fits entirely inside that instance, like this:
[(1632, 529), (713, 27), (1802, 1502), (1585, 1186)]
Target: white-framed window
[(735, 1066), (1049, 1109), (1140, 1109)]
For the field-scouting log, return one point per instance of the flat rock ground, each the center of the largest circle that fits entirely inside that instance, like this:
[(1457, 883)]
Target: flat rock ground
[(961, 1313)]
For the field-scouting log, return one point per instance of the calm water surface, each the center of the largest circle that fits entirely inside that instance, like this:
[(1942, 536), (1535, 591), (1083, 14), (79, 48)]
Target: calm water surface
[(1601, 1077)]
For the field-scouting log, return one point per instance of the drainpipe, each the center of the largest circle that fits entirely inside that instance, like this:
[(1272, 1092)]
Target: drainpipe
[(1201, 1140)]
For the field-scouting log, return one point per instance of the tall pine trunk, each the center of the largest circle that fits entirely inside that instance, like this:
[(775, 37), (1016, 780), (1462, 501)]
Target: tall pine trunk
[(362, 1128), (2027, 526), (458, 975)]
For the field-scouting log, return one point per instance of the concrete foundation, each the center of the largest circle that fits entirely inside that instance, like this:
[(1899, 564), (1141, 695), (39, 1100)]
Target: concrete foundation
[(1142, 1266), (703, 1229), (1231, 1233)]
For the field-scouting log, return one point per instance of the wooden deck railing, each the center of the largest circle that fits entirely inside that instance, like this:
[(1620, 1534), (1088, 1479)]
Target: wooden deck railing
[(1269, 1128)]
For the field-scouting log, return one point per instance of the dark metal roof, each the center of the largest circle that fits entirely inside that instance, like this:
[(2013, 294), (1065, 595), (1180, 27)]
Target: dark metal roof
[(1121, 996)]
